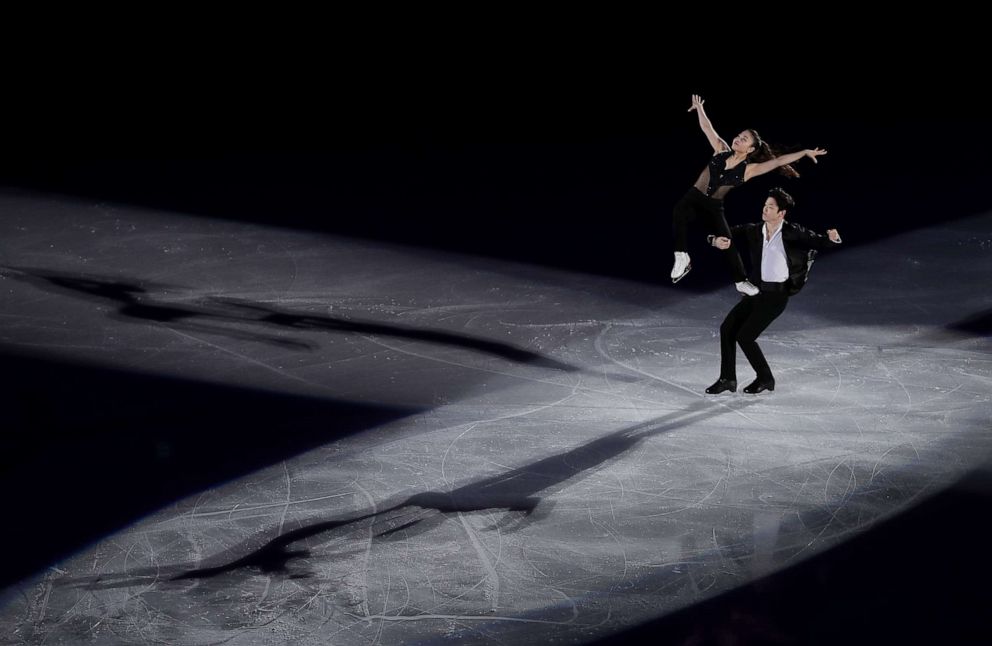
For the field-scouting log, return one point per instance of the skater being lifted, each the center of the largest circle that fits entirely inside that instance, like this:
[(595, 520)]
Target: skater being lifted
[(745, 158)]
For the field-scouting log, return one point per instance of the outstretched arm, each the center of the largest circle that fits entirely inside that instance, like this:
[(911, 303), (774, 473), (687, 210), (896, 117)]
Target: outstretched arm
[(812, 240), (753, 170), (719, 145)]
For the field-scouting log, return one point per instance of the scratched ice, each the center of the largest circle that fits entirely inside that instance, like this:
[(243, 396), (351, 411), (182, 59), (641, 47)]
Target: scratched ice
[(563, 476)]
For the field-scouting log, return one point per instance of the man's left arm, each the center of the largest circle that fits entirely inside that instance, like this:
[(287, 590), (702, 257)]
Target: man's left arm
[(813, 240)]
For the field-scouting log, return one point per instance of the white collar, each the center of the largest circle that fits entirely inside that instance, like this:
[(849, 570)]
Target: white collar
[(764, 230)]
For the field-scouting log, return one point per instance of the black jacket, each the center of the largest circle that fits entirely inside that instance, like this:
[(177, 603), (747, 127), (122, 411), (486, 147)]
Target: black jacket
[(800, 245)]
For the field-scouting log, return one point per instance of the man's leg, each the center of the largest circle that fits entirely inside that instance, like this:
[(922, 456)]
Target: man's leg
[(729, 330), (767, 307)]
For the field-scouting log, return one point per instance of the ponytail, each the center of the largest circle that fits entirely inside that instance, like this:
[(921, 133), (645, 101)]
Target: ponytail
[(764, 152)]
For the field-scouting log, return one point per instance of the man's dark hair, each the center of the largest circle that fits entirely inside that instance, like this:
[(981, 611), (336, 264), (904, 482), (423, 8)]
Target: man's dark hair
[(783, 199)]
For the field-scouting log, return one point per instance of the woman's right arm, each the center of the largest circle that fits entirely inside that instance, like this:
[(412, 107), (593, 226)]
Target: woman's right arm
[(719, 145)]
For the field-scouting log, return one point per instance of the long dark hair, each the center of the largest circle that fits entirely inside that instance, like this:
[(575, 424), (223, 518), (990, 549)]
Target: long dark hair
[(763, 151)]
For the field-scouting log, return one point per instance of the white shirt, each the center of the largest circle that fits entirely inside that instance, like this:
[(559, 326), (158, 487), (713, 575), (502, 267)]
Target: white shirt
[(774, 268)]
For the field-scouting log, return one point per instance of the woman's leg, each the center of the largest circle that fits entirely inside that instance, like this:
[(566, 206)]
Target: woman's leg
[(719, 227)]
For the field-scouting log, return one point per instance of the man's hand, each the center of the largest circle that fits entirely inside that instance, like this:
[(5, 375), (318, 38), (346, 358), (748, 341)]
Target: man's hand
[(724, 243), (833, 235)]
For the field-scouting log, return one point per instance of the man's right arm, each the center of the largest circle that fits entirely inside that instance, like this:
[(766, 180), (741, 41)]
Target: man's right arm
[(721, 242)]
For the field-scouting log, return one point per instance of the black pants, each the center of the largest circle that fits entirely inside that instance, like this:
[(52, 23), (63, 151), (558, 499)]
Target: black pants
[(745, 322), (694, 204)]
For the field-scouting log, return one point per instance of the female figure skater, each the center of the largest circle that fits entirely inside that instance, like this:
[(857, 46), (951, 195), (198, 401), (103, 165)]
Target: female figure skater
[(746, 158)]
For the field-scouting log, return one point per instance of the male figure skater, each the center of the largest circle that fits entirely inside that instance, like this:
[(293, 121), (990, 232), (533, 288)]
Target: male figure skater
[(781, 255)]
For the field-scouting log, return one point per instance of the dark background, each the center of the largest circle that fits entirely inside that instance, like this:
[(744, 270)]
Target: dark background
[(544, 142), (554, 141)]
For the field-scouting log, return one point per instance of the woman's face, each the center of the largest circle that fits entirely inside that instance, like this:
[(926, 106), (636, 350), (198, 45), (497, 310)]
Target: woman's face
[(743, 143)]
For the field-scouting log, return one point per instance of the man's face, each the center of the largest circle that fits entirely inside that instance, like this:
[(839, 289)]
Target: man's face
[(770, 213)]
